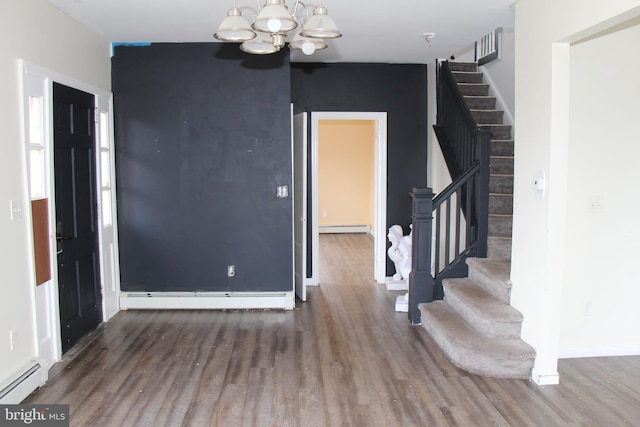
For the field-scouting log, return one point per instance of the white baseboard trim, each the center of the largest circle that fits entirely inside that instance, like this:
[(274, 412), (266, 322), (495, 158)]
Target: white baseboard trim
[(206, 300), (344, 229), (539, 378), (22, 384), (396, 285), (402, 303), (577, 352)]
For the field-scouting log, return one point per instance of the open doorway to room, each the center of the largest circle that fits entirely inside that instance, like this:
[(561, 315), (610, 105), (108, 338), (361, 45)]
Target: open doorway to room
[(348, 181), (346, 176)]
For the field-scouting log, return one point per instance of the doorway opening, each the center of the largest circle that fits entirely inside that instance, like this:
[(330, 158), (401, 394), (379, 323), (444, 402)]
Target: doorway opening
[(374, 215), (346, 176)]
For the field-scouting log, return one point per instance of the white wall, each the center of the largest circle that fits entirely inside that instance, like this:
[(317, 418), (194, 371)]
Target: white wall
[(542, 129), (601, 292), (35, 31)]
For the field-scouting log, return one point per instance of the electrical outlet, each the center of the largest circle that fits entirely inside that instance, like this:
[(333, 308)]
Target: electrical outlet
[(231, 270), (595, 203), (325, 214)]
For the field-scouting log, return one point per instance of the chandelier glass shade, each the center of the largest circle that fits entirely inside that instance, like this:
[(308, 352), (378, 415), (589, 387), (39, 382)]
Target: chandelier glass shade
[(267, 33), (320, 25), (273, 18), (263, 44), (234, 28), (307, 45)]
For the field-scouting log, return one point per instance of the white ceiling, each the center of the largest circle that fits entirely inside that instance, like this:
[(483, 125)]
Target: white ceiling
[(370, 31)]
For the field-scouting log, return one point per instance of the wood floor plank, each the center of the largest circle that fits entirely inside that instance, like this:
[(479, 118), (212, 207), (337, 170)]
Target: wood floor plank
[(343, 358)]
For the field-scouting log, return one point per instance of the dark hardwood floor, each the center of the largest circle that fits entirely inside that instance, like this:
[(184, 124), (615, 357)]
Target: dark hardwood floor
[(342, 358)]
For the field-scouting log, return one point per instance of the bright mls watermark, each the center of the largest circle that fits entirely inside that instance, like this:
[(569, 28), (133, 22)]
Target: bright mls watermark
[(34, 415)]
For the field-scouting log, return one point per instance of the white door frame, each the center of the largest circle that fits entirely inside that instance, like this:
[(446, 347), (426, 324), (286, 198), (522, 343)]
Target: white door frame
[(299, 123), (38, 81), (379, 228)]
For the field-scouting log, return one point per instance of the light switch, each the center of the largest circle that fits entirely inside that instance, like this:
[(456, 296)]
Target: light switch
[(282, 191)]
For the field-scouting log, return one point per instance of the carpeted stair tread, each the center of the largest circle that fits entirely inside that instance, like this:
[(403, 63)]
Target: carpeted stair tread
[(467, 76), (487, 116), (500, 184), (469, 67), (500, 203), (502, 147), (499, 247), (493, 275), (500, 225), (498, 131), (481, 102), (481, 310), (473, 352), (474, 89), (502, 165)]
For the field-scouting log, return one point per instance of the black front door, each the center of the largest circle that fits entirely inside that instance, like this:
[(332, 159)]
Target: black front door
[(76, 218)]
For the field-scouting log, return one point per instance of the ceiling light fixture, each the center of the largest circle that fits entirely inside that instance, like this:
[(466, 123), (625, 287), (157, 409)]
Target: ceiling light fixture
[(269, 29)]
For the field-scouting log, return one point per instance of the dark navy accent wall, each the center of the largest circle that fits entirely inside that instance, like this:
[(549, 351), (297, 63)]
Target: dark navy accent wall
[(398, 89), (203, 137)]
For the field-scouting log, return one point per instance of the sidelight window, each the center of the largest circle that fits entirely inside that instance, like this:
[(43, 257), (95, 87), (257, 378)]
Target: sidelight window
[(35, 141), (105, 170)]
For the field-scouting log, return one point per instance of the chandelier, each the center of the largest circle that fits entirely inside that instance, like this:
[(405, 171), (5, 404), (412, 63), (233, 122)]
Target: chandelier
[(273, 22)]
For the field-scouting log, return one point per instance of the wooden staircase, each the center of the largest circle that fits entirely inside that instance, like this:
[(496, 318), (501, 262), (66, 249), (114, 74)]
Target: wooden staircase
[(475, 325)]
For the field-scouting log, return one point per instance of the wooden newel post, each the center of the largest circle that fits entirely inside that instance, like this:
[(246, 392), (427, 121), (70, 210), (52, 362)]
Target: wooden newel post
[(420, 280), (483, 147)]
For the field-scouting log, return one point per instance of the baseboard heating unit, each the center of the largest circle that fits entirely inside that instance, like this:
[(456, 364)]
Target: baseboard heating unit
[(334, 229), (206, 300), (21, 385)]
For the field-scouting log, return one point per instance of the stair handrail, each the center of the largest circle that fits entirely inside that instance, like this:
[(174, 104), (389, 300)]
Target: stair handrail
[(455, 185), (455, 126), (466, 197)]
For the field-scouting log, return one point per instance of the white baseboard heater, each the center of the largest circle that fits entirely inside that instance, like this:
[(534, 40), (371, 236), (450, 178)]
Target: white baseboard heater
[(21, 385), (206, 300), (344, 229)]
